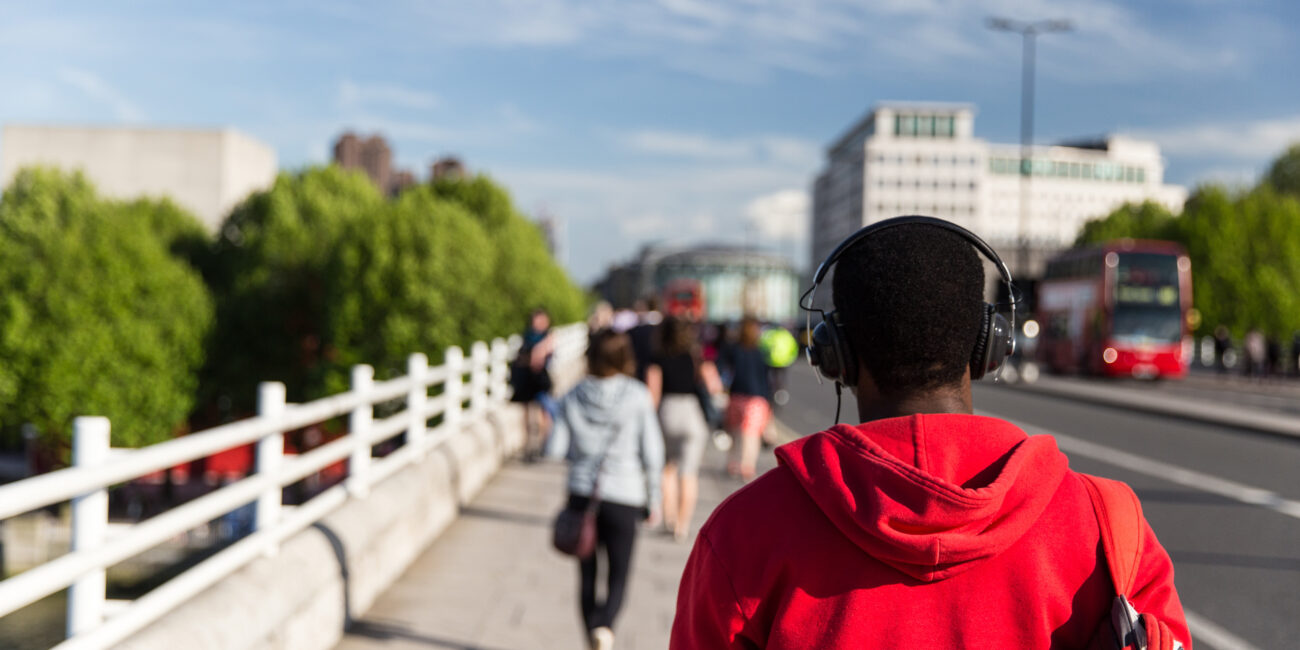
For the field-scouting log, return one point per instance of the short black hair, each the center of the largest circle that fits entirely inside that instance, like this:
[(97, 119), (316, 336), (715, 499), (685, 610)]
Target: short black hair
[(910, 299)]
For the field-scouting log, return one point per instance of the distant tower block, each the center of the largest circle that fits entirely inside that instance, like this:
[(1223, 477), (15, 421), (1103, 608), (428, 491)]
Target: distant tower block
[(448, 167)]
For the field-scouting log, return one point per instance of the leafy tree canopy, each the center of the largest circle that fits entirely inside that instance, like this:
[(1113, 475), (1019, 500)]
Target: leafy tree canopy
[(1284, 174), (96, 315)]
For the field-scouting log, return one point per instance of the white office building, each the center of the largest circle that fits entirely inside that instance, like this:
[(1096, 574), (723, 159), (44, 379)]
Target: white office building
[(206, 171), (923, 158)]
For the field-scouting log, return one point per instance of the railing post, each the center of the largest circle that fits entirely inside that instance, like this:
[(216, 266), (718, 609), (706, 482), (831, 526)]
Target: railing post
[(363, 378), (500, 371), (478, 385), (90, 442), (417, 368), (270, 455), (453, 389)]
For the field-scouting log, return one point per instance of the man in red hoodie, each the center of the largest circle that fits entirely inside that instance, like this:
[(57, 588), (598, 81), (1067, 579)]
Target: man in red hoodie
[(925, 526)]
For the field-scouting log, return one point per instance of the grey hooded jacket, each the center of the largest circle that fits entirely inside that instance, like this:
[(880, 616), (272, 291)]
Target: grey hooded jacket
[(614, 413)]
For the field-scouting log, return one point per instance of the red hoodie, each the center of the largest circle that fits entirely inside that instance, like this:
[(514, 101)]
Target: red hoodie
[(928, 531)]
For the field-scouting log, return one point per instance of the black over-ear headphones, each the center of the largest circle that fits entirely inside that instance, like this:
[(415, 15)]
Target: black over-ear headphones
[(829, 350)]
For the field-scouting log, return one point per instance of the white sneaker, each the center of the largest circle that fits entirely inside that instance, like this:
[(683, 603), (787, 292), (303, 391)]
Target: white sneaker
[(602, 638)]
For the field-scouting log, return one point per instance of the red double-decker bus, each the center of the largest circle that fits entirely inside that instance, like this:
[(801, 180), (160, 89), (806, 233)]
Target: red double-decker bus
[(684, 298), (1119, 309)]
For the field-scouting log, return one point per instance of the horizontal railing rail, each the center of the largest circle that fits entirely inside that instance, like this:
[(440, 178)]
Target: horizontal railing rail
[(83, 569)]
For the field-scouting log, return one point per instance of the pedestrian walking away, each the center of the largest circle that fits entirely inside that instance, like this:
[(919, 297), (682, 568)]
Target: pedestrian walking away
[(924, 526), (530, 380), (679, 380), (748, 409), (607, 430)]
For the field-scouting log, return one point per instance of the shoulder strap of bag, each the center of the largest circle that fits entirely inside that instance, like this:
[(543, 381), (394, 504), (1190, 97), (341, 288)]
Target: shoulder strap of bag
[(609, 446), (1119, 516)]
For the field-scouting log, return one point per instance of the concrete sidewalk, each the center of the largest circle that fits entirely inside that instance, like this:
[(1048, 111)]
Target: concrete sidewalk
[(492, 581), (1232, 410)]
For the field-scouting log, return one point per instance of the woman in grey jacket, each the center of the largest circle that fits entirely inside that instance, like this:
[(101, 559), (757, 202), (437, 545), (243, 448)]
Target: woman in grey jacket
[(607, 425)]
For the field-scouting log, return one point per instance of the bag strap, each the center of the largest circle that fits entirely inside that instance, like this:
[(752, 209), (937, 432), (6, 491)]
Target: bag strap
[(1119, 516), (600, 462)]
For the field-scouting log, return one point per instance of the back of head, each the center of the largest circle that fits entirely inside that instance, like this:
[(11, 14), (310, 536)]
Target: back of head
[(678, 336), (750, 330), (910, 299), (609, 353)]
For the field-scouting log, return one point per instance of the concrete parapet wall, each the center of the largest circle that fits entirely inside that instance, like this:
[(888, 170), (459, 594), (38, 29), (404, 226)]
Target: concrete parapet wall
[(304, 596)]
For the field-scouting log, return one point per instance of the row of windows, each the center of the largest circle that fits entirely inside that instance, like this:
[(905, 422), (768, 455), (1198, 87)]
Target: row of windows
[(1089, 171), (951, 184), (932, 209), (923, 126), (921, 159)]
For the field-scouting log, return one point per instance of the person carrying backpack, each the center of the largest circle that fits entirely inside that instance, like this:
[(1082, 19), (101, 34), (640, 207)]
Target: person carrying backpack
[(925, 526)]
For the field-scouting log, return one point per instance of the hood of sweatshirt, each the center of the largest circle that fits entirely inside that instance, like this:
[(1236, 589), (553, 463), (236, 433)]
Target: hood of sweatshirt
[(930, 495), (599, 401)]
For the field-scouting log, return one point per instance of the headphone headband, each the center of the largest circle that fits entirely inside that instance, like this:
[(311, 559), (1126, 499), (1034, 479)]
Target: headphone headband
[(871, 229)]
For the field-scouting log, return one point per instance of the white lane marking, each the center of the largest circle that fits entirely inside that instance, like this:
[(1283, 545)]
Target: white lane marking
[(1169, 472), (1205, 632)]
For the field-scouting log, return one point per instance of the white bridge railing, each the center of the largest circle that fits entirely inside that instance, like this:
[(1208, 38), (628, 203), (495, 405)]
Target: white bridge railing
[(95, 622)]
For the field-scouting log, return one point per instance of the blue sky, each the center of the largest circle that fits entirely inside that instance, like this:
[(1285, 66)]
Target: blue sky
[(657, 120)]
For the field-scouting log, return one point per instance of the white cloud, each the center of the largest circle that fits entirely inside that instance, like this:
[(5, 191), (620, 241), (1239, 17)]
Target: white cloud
[(779, 150), (96, 88), (353, 94), (780, 216), (747, 42), (1252, 140)]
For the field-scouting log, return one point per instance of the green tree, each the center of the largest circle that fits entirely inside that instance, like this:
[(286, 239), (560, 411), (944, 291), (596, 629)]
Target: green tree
[(1245, 252), (1147, 220), (1284, 174), (97, 317), (267, 271), (527, 276), (321, 272), (416, 276)]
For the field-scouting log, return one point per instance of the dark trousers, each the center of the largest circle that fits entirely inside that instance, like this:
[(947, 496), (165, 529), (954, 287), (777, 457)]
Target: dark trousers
[(616, 526)]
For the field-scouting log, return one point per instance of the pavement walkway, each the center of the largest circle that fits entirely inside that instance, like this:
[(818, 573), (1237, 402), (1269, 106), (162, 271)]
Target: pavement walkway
[(492, 582)]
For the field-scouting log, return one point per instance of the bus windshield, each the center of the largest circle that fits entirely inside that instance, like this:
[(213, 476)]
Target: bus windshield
[(1146, 325)]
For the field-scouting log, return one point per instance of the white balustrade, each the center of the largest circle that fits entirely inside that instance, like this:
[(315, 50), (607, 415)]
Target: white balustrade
[(82, 571)]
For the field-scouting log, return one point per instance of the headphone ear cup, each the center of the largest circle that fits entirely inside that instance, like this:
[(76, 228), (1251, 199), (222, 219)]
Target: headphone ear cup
[(831, 353), (980, 355), (822, 353), (993, 345), (1001, 341)]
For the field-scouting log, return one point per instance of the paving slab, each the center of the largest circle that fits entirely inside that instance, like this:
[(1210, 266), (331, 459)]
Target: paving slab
[(492, 581)]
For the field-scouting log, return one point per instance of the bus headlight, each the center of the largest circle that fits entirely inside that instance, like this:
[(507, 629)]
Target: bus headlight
[(1109, 355)]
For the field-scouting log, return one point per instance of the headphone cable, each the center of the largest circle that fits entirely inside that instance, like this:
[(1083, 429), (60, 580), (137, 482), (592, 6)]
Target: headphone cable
[(838, 388)]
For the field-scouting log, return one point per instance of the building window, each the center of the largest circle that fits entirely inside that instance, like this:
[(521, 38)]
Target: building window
[(1141, 175), (1074, 170), (943, 128), (1130, 174), (925, 126), (905, 125)]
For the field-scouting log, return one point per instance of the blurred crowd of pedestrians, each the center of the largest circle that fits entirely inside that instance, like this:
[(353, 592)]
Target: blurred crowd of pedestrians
[(1258, 356), (659, 389)]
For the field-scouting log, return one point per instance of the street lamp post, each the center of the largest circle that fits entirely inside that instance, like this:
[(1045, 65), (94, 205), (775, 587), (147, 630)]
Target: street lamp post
[(1028, 31)]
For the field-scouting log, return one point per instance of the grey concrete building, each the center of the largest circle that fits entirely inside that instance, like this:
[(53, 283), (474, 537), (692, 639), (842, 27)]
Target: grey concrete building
[(206, 171), (735, 281)]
